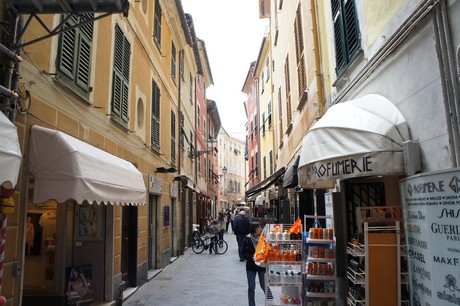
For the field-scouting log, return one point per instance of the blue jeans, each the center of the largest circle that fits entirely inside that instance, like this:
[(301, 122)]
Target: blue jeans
[(251, 275), (240, 239)]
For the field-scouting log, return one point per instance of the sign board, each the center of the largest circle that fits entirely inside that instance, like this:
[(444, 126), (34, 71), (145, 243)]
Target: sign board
[(173, 191), (431, 203), (328, 206), (155, 184)]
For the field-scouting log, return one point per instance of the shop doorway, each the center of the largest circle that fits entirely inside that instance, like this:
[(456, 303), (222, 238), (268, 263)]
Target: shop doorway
[(129, 245), (362, 194), (154, 207)]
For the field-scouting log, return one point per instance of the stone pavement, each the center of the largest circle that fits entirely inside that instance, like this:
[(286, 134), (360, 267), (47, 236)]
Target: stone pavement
[(199, 280)]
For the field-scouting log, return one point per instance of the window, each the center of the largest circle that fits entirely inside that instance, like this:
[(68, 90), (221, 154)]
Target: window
[(265, 167), (74, 55), (120, 87), (299, 52), (198, 117), (346, 32), (269, 116), (181, 63), (263, 123), (173, 137), (263, 83), (270, 156), (252, 166), (205, 163), (267, 68), (257, 164), (173, 62), (155, 129), (157, 23), (198, 161), (191, 88), (288, 91), (280, 116)]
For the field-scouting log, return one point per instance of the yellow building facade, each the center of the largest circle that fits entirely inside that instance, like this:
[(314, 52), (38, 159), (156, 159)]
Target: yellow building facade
[(115, 88)]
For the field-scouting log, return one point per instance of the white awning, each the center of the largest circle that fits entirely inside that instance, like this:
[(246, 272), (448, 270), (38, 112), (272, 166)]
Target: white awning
[(361, 137), (260, 200), (67, 168), (10, 153)]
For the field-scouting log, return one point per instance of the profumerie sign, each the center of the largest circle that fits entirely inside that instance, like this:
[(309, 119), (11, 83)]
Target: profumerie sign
[(369, 164), (431, 204)]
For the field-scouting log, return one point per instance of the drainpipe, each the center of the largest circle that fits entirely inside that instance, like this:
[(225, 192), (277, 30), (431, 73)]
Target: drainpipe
[(318, 64), (449, 82), (181, 183)]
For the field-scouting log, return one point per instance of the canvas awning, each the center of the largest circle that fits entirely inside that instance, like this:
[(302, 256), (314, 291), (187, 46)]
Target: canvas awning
[(290, 176), (66, 168), (361, 137), (10, 153), (260, 200), (265, 183)]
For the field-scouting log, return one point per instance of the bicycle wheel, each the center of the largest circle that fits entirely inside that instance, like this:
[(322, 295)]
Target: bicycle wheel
[(220, 247), (198, 246)]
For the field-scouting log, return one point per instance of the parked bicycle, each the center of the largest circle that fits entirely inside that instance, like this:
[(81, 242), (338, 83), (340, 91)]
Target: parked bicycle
[(196, 235), (205, 242)]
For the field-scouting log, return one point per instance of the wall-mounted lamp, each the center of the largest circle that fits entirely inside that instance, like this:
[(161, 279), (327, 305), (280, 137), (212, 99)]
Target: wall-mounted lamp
[(165, 170)]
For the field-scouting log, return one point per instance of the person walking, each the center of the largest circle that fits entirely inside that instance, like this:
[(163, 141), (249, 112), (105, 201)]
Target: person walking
[(232, 217), (241, 229), (252, 270), (221, 225)]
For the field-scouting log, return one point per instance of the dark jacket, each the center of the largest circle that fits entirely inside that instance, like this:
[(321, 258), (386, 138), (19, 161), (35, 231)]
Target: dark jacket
[(241, 225), (248, 253)]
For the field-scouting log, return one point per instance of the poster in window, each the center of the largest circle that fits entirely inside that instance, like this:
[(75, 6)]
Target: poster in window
[(88, 222), (166, 216), (79, 287)]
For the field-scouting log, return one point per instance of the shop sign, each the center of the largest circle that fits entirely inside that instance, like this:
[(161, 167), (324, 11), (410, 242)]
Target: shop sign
[(155, 184), (173, 191), (431, 203), (328, 207), (374, 163), (190, 184)]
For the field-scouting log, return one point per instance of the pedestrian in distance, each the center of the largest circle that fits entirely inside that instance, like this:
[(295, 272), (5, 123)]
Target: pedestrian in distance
[(232, 217), (221, 224), (252, 269), (241, 230)]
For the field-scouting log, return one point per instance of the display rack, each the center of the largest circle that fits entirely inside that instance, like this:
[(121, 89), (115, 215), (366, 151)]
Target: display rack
[(320, 272), (374, 269), (284, 276)]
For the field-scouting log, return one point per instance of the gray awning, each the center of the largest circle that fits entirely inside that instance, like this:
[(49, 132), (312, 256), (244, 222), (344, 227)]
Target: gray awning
[(290, 176), (265, 183), (66, 168)]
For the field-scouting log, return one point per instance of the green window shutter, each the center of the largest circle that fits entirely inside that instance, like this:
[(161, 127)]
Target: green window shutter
[(155, 128), (74, 55), (351, 29), (157, 23), (121, 70), (346, 32), (67, 54), (173, 137)]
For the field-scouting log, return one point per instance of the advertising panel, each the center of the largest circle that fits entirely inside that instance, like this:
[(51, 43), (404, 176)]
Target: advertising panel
[(431, 203)]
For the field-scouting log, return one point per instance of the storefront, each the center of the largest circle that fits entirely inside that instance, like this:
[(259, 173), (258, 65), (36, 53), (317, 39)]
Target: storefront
[(258, 195), (357, 150), (74, 222)]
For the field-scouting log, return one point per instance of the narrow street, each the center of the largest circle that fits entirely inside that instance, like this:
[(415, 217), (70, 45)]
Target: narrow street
[(199, 279)]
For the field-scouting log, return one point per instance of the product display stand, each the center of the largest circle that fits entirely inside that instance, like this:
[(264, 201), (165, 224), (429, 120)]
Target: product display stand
[(284, 267), (374, 269), (320, 277)]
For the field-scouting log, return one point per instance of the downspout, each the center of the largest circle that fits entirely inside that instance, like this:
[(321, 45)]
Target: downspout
[(195, 145), (318, 64), (449, 83), (181, 195)]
